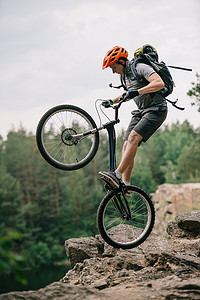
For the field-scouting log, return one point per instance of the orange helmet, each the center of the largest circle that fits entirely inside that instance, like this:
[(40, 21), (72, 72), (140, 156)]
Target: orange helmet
[(113, 56)]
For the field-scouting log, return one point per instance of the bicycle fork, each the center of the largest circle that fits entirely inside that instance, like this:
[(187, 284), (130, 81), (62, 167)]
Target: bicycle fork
[(124, 206), (120, 203)]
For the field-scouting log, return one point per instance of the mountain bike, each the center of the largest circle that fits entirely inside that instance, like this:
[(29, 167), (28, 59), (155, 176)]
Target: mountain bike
[(68, 139)]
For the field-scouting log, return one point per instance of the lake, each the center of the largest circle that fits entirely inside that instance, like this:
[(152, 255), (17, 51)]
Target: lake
[(36, 278)]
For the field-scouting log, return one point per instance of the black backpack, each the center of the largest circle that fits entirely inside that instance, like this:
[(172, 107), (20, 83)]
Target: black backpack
[(151, 59), (159, 67)]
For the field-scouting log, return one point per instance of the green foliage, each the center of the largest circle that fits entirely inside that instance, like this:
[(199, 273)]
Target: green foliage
[(142, 175), (188, 163), (175, 139), (194, 92), (39, 254), (46, 206), (10, 260)]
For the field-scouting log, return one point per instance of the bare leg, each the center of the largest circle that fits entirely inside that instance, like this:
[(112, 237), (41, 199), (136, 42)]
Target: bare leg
[(129, 151), (126, 176)]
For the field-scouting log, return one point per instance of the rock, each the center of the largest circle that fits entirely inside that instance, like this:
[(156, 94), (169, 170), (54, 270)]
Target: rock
[(97, 269), (172, 199), (154, 258), (187, 225), (79, 249), (54, 291), (189, 222), (108, 251), (157, 269), (187, 246), (174, 230), (100, 284), (155, 243), (166, 288)]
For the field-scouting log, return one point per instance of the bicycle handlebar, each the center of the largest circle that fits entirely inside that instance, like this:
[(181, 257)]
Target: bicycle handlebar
[(117, 106)]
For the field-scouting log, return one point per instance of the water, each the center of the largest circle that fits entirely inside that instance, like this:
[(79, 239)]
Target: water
[(36, 279)]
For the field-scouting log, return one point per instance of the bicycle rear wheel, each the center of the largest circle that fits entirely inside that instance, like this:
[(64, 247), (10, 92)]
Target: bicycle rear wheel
[(116, 228), (55, 137)]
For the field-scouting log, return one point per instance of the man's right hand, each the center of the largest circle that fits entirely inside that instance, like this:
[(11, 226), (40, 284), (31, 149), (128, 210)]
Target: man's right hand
[(107, 103), (132, 94)]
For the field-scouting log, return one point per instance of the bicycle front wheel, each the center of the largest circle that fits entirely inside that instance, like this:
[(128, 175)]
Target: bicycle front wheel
[(60, 137), (122, 230)]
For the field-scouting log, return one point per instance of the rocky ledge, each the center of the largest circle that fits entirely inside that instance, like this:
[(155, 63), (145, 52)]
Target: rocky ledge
[(163, 267)]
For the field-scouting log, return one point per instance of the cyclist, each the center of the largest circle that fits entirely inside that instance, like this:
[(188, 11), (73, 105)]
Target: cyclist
[(151, 113)]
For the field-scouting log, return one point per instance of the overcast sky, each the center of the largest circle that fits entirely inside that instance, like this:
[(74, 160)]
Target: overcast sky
[(51, 53)]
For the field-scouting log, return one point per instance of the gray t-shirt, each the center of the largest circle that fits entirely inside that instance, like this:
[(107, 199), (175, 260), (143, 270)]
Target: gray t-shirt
[(146, 100)]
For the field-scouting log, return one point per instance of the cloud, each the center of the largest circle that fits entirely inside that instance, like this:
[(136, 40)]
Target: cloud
[(52, 50)]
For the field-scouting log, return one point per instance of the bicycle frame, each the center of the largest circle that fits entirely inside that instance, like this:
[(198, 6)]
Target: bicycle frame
[(123, 209), (109, 126), (112, 143)]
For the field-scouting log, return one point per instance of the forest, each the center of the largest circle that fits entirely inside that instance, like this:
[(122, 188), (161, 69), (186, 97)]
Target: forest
[(42, 206)]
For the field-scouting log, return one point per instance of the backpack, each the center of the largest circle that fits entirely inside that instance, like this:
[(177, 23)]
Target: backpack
[(159, 67), (151, 59)]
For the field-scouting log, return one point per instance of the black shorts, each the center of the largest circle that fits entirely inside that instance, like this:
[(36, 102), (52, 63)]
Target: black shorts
[(146, 122)]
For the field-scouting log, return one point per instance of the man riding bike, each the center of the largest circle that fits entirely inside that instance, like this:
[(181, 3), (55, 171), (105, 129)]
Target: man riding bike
[(151, 113)]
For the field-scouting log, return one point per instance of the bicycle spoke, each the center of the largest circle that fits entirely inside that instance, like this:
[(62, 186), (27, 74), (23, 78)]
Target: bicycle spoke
[(56, 147)]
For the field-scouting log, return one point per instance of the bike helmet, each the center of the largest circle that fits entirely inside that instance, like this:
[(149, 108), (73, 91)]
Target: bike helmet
[(113, 56), (146, 49)]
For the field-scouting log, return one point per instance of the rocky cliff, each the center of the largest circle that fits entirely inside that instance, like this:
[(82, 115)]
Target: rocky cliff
[(166, 266), (172, 199)]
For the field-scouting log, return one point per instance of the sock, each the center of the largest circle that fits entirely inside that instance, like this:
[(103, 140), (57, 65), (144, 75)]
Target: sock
[(126, 182), (118, 174)]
